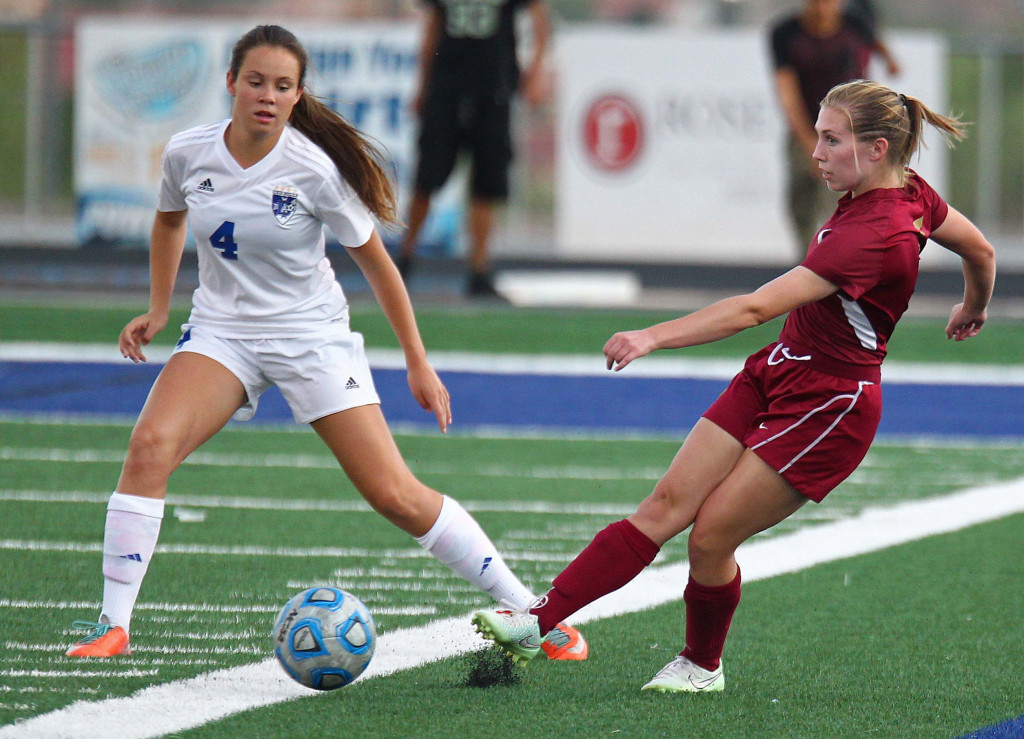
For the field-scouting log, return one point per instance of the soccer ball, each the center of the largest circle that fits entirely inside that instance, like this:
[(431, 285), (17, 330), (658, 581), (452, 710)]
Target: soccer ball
[(324, 638)]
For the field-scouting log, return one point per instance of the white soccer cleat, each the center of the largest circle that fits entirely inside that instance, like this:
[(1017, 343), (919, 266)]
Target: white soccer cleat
[(683, 676)]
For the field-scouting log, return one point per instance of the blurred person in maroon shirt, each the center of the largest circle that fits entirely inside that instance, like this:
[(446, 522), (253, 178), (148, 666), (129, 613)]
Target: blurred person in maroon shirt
[(812, 52)]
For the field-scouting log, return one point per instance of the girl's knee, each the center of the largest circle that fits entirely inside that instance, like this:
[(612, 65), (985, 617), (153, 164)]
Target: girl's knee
[(404, 503), (151, 450), (706, 544), (665, 513), (662, 503)]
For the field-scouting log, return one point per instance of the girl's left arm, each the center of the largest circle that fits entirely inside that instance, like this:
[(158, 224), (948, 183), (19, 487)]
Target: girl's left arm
[(382, 274), (978, 257)]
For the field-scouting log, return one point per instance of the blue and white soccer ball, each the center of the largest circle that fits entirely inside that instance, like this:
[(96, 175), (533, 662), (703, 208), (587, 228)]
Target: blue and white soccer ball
[(324, 638)]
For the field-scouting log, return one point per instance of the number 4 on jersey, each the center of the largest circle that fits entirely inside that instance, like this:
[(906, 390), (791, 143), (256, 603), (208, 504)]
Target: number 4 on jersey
[(224, 240)]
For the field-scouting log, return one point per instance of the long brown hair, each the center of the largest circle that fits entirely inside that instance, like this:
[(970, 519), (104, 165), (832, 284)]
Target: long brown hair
[(360, 162), (875, 111)]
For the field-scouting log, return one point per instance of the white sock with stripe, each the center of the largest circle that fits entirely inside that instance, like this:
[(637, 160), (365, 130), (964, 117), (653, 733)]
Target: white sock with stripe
[(129, 538), (457, 540)]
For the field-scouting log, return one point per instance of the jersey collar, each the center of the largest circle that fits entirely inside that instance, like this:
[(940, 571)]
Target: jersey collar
[(259, 167)]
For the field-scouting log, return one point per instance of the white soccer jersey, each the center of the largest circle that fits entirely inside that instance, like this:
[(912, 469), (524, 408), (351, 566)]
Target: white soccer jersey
[(263, 270)]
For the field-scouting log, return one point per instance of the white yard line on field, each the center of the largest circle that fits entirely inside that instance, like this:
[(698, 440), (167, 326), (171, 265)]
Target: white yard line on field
[(116, 674), (337, 506), (175, 649), (91, 605), (251, 550), (543, 364), (156, 710), (534, 433), (85, 605), (325, 462)]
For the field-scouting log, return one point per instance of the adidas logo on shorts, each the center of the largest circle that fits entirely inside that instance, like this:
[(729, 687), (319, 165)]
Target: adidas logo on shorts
[(351, 384)]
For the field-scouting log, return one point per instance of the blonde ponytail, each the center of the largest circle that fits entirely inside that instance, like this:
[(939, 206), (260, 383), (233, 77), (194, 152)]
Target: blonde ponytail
[(875, 111)]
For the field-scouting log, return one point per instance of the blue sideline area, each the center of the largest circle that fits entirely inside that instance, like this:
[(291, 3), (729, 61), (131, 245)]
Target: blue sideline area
[(1011, 729), (524, 402)]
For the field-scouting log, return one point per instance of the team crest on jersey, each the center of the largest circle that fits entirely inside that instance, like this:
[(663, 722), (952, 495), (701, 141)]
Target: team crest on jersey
[(284, 202)]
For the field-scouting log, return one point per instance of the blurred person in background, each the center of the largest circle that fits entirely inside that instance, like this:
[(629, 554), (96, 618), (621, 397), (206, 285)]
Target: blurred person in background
[(801, 415), (864, 10), (257, 190), (468, 77), (812, 52)]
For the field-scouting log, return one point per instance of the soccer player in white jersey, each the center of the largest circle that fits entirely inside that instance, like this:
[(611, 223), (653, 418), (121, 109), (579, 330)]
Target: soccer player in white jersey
[(258, 189)]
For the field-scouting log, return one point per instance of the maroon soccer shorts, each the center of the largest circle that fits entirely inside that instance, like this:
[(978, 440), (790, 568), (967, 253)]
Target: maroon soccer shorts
[(812, 427)]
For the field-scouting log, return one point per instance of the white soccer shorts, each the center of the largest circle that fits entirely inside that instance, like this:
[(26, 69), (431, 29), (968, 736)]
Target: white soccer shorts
[(317, 376)]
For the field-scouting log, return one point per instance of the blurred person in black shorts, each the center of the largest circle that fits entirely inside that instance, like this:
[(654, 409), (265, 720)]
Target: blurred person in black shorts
[(813, 51), (468, 76)]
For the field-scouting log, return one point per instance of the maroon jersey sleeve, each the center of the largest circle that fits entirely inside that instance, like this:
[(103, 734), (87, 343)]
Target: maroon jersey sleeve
[(935, 208), (849, 257)]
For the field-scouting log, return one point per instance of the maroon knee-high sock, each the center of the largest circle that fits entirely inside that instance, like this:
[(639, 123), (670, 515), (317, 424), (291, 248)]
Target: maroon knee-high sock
[(709, 612), (615, 556)]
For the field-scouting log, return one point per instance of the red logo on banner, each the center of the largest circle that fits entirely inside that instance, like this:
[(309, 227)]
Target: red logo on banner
[(613, 133)]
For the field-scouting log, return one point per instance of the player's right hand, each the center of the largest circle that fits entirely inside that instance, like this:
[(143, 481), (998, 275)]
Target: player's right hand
[(137, 333), (626, 346)]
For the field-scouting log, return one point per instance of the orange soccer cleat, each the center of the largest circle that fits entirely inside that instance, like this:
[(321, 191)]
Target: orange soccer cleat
[(566, 643), (106, 640)]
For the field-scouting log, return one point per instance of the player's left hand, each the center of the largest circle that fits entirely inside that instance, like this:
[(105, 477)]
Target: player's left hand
[(963, 324), (431, 394)]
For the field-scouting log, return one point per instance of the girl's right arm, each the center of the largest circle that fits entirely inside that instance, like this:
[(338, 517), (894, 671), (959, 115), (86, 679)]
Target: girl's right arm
[(964, 239), (797, 287), (166, 246)]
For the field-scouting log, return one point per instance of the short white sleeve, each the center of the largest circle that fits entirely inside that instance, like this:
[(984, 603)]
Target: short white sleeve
[(341, 210), (171, 198)]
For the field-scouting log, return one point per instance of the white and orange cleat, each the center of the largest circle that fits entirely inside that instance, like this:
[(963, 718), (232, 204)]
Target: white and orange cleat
[(106, 640), (565, 643)]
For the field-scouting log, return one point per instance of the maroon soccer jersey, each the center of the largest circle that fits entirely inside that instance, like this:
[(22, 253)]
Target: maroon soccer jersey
[(870, 249)]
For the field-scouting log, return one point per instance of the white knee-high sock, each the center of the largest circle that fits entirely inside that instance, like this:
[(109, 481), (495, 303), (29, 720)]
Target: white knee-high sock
[(457, 540), (133, 525)]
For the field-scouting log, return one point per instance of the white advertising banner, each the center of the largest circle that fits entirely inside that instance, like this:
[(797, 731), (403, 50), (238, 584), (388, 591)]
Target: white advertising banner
[(670, 144), (140, 82)]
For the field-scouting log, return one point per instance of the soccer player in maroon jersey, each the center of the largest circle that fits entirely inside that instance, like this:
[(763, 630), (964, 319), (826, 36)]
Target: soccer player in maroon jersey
[(801, 415)]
